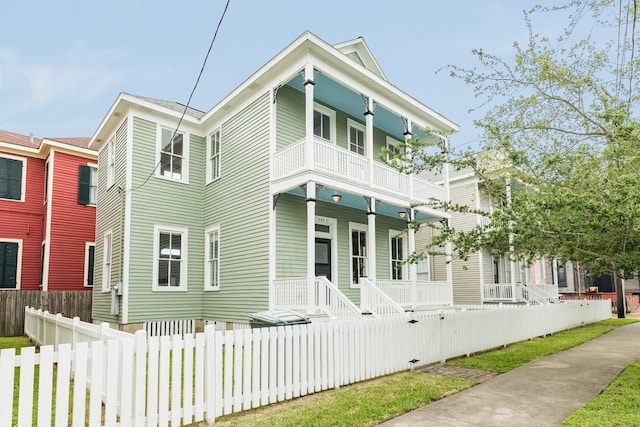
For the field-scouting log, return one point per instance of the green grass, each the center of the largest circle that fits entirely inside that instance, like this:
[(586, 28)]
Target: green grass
[(618, 405), (15, 342), (361, 404), (514, 355)]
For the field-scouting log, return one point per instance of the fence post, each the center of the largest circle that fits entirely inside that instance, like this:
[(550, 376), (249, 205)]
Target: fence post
[(56, 340), (74, 336), (104, 328), (209, 379), (139, 374)]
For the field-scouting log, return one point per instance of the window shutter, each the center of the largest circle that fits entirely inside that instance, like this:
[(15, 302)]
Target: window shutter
[(84, 183), (90, 266), (8, 264)]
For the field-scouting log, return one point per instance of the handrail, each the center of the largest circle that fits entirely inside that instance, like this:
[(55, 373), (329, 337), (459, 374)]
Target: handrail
[(331, 301), (541, 294), (375, 301)]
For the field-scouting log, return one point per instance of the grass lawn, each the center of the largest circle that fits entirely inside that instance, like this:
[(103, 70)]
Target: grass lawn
[(15, 342), (372, 402)]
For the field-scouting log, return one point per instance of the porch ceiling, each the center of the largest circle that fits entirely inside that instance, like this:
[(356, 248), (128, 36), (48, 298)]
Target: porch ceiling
[(356, 201), (340, 97)]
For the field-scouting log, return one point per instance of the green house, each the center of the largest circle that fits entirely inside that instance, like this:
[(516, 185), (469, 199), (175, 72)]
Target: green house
[(276, 198)]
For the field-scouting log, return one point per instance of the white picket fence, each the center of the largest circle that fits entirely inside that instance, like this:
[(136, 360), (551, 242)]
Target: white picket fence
[(148, 381)]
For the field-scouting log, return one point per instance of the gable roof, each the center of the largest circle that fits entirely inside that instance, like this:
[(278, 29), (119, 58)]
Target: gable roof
[(175, 106), (40, 147), (17, 139), (358, 50)]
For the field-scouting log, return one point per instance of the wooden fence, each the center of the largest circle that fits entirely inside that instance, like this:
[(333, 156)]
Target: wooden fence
[(68, 303), (148, 381)]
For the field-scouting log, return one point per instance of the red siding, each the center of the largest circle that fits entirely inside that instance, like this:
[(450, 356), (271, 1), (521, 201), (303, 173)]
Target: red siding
[(24, 220), (72, 225)]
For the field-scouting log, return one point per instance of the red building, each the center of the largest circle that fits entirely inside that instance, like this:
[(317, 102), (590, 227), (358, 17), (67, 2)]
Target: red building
[(48, 190)]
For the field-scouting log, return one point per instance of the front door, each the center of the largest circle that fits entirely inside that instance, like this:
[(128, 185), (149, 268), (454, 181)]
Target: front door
[(323, 257)]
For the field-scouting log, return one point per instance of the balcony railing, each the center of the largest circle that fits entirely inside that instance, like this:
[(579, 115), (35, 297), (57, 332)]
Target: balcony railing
[(350, 167)]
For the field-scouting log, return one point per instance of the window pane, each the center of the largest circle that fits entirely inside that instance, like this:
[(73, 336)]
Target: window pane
[(165, 240), (317, 123), (8, 264), (165, 164), (177, 167), (163, 272), (177, 144), (176, 245), (175, 273), (166, 141), (326, 127)]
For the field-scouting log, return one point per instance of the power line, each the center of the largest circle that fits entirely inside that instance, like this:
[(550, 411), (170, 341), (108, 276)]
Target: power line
[(186, 107)]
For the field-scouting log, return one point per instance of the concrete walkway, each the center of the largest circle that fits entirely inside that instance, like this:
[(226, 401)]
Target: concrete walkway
[(541, 393)]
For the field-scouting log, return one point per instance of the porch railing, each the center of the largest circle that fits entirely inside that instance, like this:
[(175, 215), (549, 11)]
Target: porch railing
[(426, 293), (291, 294), (373, 300), (348, 166), (498, 292)]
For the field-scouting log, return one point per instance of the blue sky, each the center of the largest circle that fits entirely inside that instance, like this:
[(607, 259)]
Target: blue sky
[(62, 64)]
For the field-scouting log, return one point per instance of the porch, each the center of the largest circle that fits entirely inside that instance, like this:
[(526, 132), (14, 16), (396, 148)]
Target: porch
[(519, 293), (378, 298)]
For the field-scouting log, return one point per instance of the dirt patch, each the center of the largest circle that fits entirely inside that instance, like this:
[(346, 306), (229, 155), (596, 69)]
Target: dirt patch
[(457, 372)]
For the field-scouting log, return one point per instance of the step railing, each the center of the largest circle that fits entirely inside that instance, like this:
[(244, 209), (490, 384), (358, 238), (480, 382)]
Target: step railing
[(373, 300), (332, 302)]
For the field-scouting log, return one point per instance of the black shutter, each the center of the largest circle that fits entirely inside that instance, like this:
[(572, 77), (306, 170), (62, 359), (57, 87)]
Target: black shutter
[(90, 264), (84, 182), (8, 264)]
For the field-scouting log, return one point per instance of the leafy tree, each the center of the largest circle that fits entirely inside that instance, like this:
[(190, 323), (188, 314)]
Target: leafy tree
[(561, 143)]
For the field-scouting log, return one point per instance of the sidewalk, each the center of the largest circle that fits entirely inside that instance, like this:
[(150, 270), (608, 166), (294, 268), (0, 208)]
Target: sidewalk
[(541, 393)]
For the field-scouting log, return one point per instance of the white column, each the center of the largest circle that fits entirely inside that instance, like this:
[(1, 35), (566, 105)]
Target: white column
[(413, 276), (368, 115), (512, 259), (311, 247), (371, 244), (309, 83), (448, 246), (408, 155)]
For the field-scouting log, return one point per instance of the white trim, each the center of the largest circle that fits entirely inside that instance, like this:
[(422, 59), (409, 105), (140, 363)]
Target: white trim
[(184, 172), (358, 126), (125, 229), (184, 239), (107, 260), (209, 163), (47, 178), (207, 269), (111, 161), (18, 262), (93, 172), (332, 117), (360, 227), (47, 237), (333, 236), (87, 245), (23, 187), (404, 273)]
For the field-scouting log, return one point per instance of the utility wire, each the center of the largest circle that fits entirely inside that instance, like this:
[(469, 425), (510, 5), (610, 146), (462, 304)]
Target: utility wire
[(186, 107)]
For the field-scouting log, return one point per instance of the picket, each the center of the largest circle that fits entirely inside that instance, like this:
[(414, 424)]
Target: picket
[(183, 379)]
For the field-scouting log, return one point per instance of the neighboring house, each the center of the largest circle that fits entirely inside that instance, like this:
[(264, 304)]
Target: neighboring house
[(486, 277), (275, 198), (48, 191)]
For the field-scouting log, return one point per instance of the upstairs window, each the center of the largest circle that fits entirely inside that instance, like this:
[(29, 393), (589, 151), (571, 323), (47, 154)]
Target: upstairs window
[(212, 256), (394, 152), (87, 185), (324, 123), (171, 155), (356, 137), (12, 178), (9, 258), (214, 155)]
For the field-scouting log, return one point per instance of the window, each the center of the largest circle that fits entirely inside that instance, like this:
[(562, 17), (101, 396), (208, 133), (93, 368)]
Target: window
[(422, 269), (324, 122), (87, 185), (170, 252), (107, 254), (395, 149), (12, 178), (214, 155), (496, 269), (358, 252), (212, 256), (397, 252), (89, 257), (356, 137), (111, 162), (9, 263), (172, 161)]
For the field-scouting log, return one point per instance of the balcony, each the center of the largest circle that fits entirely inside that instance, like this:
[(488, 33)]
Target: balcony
[(340, 164)]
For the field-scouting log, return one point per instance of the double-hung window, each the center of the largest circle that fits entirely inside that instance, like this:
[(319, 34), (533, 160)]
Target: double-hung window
[(106, 260), (215, 142), (358, 252), (172, 155), (212, 257), (394, 151), (87, 185), (397, 255), (9, 264), (12, 178), (170, 252), (324, 122), (356, 137)]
